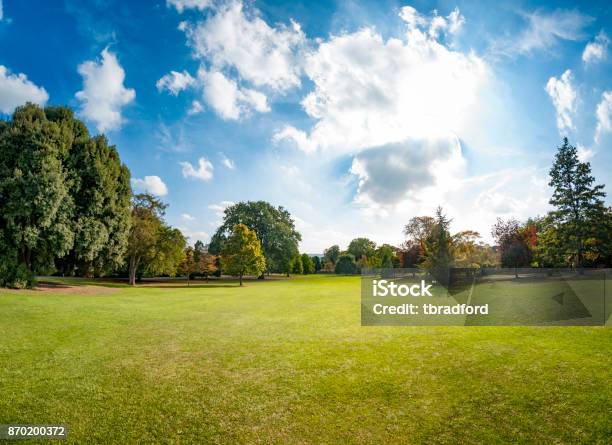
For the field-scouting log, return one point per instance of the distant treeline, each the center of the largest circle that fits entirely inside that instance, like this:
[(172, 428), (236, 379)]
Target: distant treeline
[(66, 207)]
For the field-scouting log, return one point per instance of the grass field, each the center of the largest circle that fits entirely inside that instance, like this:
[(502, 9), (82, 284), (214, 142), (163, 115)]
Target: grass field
[(287, 361)]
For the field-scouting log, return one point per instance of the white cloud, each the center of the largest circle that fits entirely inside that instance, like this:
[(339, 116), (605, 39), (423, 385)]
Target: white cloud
[(181, 5), (563, 96), (262, 55), (371, 92), (104, 95), (1, 10), (175, 82), (187, 217), (596, 50), (219, 209), (203, 172), (435, 25), (16, 90), (150, 184), (196, 107), (604, 115), (227, 162), (195, 235), (228, 99), (584, 153), (544, 31), (295, 136)]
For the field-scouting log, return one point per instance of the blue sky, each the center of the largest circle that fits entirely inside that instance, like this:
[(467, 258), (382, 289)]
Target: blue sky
[(353, 115)]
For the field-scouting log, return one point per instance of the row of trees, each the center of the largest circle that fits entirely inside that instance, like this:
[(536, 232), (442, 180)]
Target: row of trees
[(577, 233), (64, 196), (67, 207)]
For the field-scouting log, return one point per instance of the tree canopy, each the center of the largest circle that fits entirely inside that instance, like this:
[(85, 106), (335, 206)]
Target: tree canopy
[(580, 219), (274, 227), (64, 197), (241, 253)]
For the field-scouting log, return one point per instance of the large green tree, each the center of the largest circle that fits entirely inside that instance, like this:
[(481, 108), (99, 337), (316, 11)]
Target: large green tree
[(100, 188), (64, 197), (274, 227), (36, 208), (580, 219), (241, 253), (308, 265), (362, 247), (332, 254), (154, 248)]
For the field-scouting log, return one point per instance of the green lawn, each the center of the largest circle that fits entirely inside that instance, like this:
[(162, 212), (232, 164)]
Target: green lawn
[(287, 361)]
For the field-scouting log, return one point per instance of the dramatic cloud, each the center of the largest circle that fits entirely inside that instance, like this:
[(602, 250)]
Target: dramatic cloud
[(203, 172), (104, 95), (262, 55), (371, 92), (181, 5), (563, 96), (151, 184), (228, 99), (402, 171), (16, 89), (544, 31), (604, 115), (596, 50), (175, 82)]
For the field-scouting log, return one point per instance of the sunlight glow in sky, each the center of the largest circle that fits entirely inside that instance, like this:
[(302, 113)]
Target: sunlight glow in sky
[(353, 115)]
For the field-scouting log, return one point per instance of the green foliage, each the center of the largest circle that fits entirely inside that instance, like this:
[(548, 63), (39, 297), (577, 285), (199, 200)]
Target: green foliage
[(273, 226), (580, 219), (332, 254), (384, 256), (241, 253), (317, 264), (361, 247), (64, 197), (297, 266), (168, 252), (36, 206), (437, 247), (308, 264), (153, 247), (346, 265)]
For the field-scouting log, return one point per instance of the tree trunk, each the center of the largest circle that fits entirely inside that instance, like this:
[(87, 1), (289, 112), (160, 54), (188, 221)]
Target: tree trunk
[(241, 279), (132, 270)]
